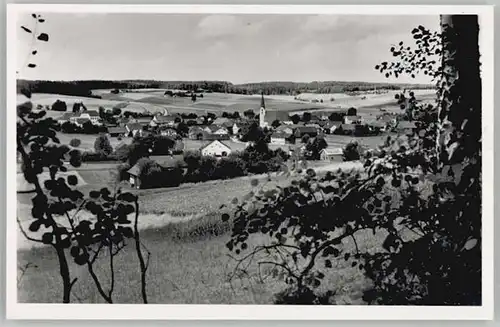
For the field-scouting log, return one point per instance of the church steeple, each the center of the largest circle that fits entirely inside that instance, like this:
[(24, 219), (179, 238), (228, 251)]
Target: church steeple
[(262, 112)]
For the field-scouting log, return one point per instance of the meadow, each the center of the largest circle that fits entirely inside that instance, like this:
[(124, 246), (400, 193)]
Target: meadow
[(154, 101), (183, 229)]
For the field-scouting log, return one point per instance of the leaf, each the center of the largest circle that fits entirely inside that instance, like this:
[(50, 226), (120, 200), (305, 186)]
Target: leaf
[(31, 65), (41, 20), (470, 244), (34, 226), (34, 52), (43, 37), (33, 15), (225, 217), (328, 264), (26, 29)]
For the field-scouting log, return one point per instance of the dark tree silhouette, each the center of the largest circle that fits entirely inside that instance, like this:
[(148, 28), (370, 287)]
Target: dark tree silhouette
[(421, 192)]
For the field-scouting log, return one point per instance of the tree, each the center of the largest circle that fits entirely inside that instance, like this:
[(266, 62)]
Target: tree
[(249, 114), (314, 147), (102, 145), (352, 151), (76, 107), (79, 239), (295, 119), (352, 111), (193, 97), (276, 123), (75, 143), (116, 111), (436, 244), (59, 105), (306, 117), (305, 138)]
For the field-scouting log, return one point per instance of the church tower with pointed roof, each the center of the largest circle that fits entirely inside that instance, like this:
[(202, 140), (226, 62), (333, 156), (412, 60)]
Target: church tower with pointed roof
[(262, 112)]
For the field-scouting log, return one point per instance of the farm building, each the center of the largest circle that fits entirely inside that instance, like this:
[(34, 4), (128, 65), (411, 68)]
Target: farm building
[(65, 117), (80, 118), (288, 129), (282, 116), (377, 124), (406, 127), (134, 179), (216, 148), (279, 138), (168, 131), (331, 154), (134, 128), (167, 162), (303, 130), (224, 122), (353, 120), (117, 131), (347, 129), (169, 120), (217, 130), (331, 126), (196, 133)]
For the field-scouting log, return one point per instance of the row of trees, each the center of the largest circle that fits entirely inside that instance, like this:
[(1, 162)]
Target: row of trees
[(84, 88)]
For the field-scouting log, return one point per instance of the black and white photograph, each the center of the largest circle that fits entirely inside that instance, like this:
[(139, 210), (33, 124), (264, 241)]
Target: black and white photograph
[(304, 158)]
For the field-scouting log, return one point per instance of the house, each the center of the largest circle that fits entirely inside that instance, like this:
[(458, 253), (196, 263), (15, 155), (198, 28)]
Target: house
[(282, 116), (117, 131), (216, 148), (331, 154), (196, 133), (406, 127), (167, 131), (224, 122), (377, 124), (122, 121), (66, 117), (347, 129), (134, 179), (134, 128), (236, 129), (160, 120), (279, 138), (91, 115), (300, 131), (217, 130), (167, 162), (288, 129), (352, 120), (170, 161), (80, 121), (331, 126)]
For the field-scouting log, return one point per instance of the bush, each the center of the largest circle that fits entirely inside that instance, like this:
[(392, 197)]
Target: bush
[(75, 143), (59, 106), (102, 145), (352, 151)]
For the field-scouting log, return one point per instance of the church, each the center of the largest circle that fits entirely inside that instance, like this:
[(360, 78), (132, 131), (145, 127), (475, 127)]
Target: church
[(266, 118)]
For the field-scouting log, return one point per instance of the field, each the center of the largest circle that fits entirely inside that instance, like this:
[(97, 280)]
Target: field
[(154, 101), (183, 229), (88, 140)]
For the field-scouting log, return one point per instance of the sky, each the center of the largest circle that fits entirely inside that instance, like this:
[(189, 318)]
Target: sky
[(238, 48)]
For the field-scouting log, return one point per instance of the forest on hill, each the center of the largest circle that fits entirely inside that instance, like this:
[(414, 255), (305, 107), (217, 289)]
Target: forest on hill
[(84, 87)]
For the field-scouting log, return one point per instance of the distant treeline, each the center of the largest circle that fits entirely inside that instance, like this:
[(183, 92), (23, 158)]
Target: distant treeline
[(84, 88)]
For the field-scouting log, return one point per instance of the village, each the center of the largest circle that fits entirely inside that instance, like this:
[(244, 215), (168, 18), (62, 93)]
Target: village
[(219, 136)]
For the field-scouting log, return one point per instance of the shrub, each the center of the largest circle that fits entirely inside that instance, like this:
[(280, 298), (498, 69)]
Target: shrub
[(352, 151), (59, 106), (75, 143), (102, 145)]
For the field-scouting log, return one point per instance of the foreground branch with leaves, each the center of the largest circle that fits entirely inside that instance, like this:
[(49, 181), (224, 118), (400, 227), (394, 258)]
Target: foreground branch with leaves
[(421, 192), (85, 227)]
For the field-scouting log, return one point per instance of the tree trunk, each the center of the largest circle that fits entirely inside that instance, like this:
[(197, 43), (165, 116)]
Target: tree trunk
[(460, 106)]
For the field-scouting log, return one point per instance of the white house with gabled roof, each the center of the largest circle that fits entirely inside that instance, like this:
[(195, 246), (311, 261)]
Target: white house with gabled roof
[(216, 148)]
